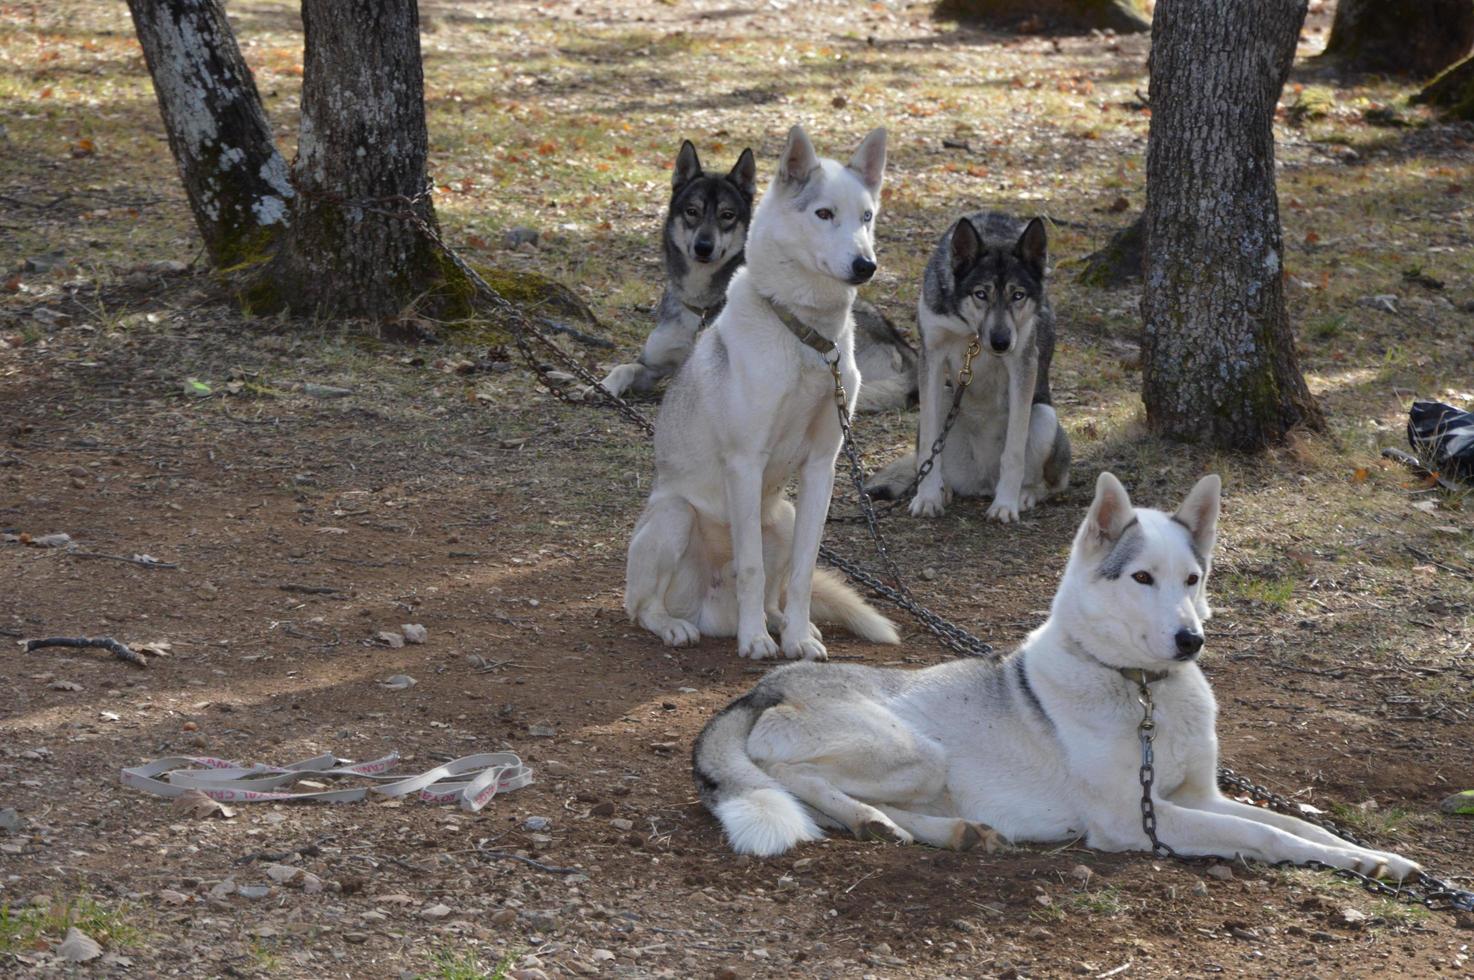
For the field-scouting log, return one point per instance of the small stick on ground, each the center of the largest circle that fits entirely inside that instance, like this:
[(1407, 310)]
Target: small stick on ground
[(310, 589), (551, 869), (142, 560), (119, 650)]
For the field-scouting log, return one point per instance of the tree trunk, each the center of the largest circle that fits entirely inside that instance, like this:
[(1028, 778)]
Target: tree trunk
[(1452, 92), (361, 150), (1401, 37), (1062, 15), (235, 178), (1218, 352)]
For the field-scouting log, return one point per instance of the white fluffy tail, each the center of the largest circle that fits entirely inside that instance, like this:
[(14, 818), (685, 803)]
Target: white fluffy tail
[(765, 821), (758, 814), (835, 602)]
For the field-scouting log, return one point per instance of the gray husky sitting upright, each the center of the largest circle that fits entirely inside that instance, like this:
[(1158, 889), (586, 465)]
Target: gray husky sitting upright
[(703, 244), (985, 281), (705, 233)]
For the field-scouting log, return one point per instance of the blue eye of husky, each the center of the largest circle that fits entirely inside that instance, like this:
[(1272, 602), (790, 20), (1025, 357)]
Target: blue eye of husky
[(1145, 578), (824, 214), (1018, 296), (982, 294), (867, 217)]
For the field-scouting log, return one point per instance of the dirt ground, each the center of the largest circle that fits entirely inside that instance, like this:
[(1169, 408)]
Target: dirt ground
[(141, 414)]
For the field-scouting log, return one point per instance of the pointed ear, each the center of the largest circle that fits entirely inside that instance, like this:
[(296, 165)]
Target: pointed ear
[(1032, 246), (1199, 513), (869, 160), (688, 167), (799, 158), (744, 175), (1110, 513), (967, 245)]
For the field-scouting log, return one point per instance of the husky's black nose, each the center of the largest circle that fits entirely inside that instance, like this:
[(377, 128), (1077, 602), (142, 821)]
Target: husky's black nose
[(861, 270), (1001, 342), (1188, 644), (704, 248)]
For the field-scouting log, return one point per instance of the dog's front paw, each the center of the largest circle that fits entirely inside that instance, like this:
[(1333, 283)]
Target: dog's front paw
[(1027, 499), (805, 648), (1004, 509), (968, 835), (759, 646), (882, 829), (928, 503), (1394, 866), (679, 633)]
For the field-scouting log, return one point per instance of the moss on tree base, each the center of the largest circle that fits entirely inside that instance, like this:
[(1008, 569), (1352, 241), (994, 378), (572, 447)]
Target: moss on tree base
[(1452, 92), (1125, 16)]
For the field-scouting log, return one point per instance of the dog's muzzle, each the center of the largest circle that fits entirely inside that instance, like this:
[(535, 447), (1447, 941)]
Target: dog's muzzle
[(1000, 343), (704, 249), (1188, 644), (861, 270)]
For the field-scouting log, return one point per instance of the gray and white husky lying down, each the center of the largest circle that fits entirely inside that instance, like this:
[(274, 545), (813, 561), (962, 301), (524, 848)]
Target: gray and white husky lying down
[(1041, 746)]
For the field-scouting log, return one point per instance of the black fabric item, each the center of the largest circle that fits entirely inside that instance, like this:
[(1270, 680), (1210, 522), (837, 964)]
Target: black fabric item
[(1446, 434)]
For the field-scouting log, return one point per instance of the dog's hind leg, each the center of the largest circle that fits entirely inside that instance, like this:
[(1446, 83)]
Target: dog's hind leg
[(656, 573), (950, 833), (808, 783), (1046, 458)]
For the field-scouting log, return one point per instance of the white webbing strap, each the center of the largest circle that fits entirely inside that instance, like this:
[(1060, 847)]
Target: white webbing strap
[(472, 781)]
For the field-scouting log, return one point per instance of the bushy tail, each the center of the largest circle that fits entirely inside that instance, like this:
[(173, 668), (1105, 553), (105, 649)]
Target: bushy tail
[(834, 601), (890, 481), (758, 815)]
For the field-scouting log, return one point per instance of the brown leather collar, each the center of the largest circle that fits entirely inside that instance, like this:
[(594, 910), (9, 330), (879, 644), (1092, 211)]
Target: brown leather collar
[(806, 335)]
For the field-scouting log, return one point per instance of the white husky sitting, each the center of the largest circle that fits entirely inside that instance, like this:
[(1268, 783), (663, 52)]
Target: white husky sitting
[(719, 550), (1042, 746)]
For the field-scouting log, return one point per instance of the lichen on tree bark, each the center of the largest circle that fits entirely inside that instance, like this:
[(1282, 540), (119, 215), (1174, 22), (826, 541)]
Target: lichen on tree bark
[(1218, 351), (234, 177)]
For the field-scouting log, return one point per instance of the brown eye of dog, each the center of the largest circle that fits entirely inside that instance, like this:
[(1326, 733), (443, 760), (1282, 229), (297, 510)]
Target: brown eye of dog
[(824, 214), (1192, 580), (692, 212), (728, 215), (1018, 295), (1145, 578)]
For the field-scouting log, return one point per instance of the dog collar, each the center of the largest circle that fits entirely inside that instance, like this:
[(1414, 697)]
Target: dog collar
[(702, 312), (1140, 677), (806, 335)]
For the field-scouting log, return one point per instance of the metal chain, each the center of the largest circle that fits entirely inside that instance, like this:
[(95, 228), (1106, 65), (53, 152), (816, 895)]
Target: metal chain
[(964, 378), (1427, 890), (952, 636)]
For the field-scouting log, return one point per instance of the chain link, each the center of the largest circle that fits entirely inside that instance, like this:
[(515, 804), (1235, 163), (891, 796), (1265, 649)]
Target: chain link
[(904, 495), (949, 634), (1426, 890)]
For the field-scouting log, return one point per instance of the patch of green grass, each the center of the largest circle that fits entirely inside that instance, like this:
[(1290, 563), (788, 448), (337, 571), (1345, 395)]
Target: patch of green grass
[(1328, 327), (1102, 901), (1373, 822), (466, 966), (1396, 913), (28, 927), (1275, 592)]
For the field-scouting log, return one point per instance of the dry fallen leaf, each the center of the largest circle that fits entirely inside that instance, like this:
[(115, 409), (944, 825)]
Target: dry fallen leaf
[(64, 686)]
